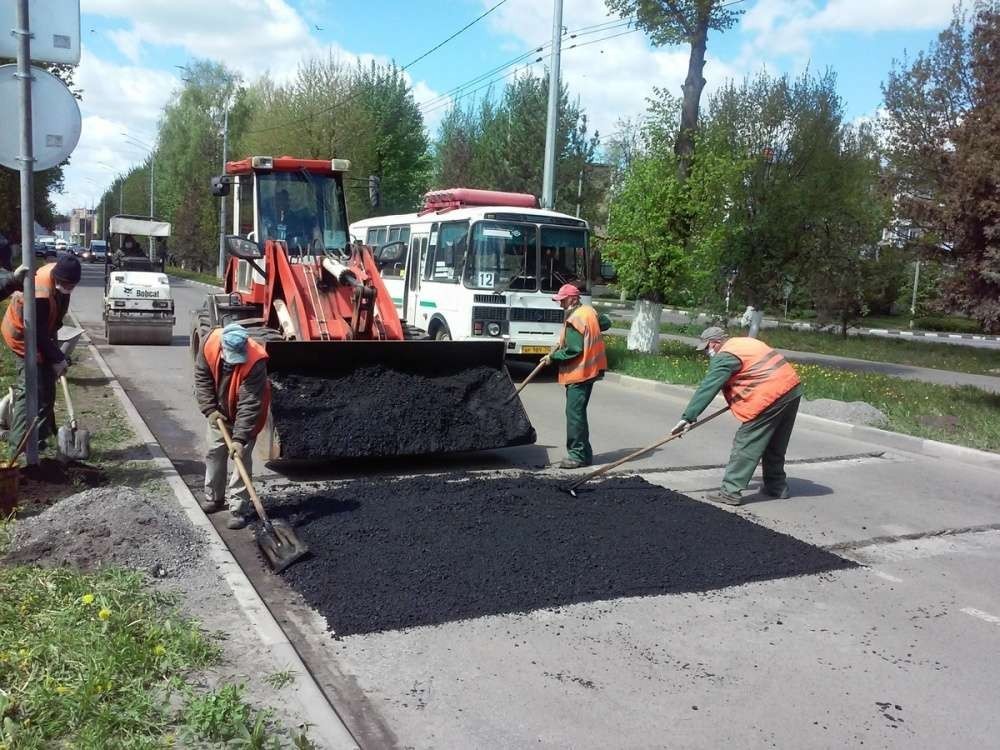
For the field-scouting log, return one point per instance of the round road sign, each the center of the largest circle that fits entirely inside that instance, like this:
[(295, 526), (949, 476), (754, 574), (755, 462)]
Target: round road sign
[(55, 119)]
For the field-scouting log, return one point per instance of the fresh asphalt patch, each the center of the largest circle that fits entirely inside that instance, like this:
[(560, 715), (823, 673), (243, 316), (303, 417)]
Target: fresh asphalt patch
[(392, 554)]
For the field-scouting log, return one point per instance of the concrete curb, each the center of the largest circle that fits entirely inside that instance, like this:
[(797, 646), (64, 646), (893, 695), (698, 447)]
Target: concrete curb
[(882, 438), (324, 725), (192, 281)]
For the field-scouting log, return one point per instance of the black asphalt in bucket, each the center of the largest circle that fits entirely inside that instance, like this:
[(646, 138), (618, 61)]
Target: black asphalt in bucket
[(377, 411), (423, 551)]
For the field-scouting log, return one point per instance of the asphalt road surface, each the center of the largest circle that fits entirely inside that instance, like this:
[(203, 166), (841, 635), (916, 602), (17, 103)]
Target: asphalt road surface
[(899, 652)]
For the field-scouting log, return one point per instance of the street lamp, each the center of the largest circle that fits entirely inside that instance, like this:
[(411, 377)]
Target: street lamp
[(152, 153)]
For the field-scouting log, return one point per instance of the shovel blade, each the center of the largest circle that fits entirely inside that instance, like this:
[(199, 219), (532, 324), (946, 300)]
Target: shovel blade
[(280, 545), (74, 445)]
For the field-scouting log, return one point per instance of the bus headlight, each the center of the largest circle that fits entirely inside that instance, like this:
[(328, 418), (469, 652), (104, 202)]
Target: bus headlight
[(493, 329)]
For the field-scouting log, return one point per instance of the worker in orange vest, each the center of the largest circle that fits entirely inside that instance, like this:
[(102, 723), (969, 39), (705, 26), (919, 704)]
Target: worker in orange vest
[(54, 283), (582, 362), (230, 379), (763, 392)]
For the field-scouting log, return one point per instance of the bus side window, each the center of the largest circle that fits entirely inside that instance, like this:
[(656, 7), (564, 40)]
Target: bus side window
[(449, 253)]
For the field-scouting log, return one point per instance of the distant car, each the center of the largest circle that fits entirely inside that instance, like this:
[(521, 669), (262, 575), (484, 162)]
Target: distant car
[(98, 251)]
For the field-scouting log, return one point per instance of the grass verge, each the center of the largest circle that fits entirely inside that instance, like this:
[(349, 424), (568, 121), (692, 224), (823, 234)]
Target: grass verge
[(205, 278), (953, 357), (913, 408)]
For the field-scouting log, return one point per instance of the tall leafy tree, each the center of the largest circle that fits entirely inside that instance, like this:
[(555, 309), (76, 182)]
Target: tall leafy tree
[(972, 203), (671, 22)]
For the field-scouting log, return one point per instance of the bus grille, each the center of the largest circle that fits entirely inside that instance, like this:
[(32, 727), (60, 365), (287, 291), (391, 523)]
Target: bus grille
[(536, 315), (489, 313), (489, 299)]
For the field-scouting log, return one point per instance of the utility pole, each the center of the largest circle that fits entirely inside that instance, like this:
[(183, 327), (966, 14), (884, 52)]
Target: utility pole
[(913, 302), (549, 175), (579, 192), (222, 201), (27, 159)]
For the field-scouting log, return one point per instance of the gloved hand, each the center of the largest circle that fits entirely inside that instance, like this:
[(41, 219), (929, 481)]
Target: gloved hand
[(215, 416), (236, 449), (545, 361), (681, 427), (59, 368), (19, 275)]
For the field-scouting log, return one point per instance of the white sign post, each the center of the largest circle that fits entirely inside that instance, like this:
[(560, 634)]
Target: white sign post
[(59, 42)]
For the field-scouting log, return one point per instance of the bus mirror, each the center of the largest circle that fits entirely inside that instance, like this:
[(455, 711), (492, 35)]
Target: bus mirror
[(393, 252), (374, 190), (220, 186), (242, 248)]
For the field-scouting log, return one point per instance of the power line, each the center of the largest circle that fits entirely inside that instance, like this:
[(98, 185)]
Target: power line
[(448, 95), (444, 100), (467, 26)]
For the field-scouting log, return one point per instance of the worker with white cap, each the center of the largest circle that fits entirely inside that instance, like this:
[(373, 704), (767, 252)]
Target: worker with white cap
[(582, 362), (230, 378), (763, 392)]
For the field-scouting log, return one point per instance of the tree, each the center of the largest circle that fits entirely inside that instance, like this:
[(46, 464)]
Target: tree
[(500, 145), (365, 113), (670, 22), (972, 192)]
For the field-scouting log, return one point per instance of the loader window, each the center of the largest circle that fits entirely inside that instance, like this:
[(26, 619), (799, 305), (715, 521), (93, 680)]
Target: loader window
[(304, 210)]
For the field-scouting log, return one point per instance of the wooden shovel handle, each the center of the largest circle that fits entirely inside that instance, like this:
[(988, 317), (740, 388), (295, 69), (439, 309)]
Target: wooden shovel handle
[(242, 469), (23, 443), (647, 449), (528, 379), (69, 402)]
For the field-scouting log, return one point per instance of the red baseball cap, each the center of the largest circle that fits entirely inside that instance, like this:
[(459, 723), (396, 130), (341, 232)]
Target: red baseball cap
[(565, 292)]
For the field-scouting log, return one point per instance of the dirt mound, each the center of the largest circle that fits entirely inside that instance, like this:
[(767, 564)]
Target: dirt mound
[(52, 480), (108, 526), (423, 551), (376, 411)]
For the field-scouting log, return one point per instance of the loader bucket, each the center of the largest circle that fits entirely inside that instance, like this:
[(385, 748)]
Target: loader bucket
[(363, 399)]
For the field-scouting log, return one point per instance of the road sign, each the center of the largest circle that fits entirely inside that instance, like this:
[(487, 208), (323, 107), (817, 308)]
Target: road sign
[(55, 119), (55, 29)]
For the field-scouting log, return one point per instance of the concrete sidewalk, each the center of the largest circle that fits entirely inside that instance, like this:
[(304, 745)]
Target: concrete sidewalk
[(907, 372)]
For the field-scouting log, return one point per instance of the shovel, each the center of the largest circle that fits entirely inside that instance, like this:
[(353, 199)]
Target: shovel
[(642, 451), (73, 443), (277, 539), (531, 376)]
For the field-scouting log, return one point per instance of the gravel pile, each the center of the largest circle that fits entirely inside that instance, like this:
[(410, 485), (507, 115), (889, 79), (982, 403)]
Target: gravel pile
[(376, 411), (109, 526), (852, 412), (422, 551)]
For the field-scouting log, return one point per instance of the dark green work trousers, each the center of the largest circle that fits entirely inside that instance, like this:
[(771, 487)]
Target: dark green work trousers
[(46, 404), (577, 429), (764, 437)]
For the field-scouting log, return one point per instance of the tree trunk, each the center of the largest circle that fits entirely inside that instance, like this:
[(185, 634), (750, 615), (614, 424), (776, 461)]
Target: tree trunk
[(756, 318), (644, 335), (693, 85)]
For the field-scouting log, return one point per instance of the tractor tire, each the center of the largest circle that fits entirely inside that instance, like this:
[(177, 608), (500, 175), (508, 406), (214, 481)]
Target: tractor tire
[(200, 328), (412, 333)]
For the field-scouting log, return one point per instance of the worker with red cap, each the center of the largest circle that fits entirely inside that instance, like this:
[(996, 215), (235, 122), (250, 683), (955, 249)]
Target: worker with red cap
[(54, 282), (230, 382), (582, 362)]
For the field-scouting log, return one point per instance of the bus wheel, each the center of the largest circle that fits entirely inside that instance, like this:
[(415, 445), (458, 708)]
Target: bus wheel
[(442, 333)]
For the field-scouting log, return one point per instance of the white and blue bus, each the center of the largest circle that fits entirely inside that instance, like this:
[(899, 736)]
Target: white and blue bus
[(480, 263)]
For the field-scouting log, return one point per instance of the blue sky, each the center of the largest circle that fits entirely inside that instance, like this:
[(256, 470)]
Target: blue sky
[(130, 49)]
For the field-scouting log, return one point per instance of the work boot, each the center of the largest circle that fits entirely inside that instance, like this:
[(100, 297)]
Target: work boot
[(571, 463), (236, 521), (210, 506), (780, 494), (721, 496)]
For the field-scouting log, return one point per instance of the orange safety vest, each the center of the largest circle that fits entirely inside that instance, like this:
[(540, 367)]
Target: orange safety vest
[(764, 377), (13, 321), (255, 353), (593, 361)]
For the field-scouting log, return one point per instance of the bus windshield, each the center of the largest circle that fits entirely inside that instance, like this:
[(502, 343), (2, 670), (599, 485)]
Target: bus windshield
[(304, 210), (564, 257), (503, 255)]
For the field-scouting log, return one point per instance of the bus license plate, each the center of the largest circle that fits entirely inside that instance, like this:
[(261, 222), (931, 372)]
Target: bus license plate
[(534, 350)]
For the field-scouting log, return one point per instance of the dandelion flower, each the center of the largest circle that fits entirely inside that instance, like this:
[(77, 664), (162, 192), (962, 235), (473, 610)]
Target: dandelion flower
[(87, 599), (159, 650), (104, 614)]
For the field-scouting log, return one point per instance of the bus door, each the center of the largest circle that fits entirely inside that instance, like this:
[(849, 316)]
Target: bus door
[(414, 270)]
